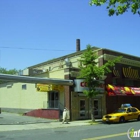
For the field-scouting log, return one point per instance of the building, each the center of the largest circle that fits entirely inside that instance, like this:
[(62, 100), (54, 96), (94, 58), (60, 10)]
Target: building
[(48, 100)]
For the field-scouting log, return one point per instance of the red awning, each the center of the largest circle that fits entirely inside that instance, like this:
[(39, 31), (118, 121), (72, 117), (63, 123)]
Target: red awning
[(118, 90)]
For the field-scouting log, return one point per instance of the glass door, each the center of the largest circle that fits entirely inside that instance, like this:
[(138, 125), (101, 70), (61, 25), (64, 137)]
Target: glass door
[(82, 108), (97, 108), (53, 99)]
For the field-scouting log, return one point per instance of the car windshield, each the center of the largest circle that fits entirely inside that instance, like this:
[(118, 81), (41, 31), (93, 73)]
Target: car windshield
[(120, 110)]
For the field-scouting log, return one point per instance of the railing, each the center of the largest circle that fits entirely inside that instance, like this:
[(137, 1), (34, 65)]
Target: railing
[(55, 104)]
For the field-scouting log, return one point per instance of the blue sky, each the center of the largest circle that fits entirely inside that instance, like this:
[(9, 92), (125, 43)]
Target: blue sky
[(34, 31)]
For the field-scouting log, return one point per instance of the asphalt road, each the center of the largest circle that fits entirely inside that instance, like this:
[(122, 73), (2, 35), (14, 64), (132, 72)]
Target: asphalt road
[(88, 132)]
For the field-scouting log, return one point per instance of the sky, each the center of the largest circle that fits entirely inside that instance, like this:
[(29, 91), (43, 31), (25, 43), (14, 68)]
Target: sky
[(35, 31)]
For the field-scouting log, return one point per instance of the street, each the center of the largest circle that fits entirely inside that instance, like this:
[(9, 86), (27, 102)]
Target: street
[(89, 132)]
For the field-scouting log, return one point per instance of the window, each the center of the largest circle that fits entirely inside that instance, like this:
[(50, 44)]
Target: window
[(128, 110), (53, 101), (9, 86), (134, 109), (120, 110), (82, 108), (24, 87), (95, 109)]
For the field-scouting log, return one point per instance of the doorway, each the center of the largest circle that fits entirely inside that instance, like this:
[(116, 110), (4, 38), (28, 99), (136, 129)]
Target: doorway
[(82, 106), (53, 99), (97, 108)]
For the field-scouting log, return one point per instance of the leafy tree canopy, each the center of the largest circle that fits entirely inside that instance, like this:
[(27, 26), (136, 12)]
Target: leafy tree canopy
[(118, 7), (11, 71), (5, 71), (91, 72)]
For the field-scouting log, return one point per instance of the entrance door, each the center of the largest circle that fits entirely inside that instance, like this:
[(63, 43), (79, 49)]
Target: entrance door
[(97, 108), (53, 99), (82, 112)]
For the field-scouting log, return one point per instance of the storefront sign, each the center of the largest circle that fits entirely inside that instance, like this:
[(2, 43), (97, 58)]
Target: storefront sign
[(118, 90), (46, 87), (80, 86)]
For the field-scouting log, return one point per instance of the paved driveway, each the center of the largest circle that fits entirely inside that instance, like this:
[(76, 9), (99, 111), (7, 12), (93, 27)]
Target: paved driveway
[(12, 118)]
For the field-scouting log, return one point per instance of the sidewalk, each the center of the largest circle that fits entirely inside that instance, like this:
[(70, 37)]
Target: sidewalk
[(10, 122)]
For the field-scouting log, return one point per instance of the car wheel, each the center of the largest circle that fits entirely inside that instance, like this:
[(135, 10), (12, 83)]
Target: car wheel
[(138, 118), (122, 120)]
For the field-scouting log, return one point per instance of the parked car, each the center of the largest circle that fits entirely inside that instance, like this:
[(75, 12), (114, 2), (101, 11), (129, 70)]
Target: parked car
[(123, 114)]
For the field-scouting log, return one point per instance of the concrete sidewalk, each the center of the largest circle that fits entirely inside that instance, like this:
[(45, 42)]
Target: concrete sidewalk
[(10, 122)]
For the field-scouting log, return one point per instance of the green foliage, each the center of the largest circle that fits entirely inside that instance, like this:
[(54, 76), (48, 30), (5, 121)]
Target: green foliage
[(118, 7), (11, 71), (91, 72), (5, 71)]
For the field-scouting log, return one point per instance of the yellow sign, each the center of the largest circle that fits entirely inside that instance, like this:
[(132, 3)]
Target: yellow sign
[(43, 87), (58, 87), (46, 87)]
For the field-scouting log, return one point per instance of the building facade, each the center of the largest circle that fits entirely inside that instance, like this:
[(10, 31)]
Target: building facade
[(48, 100)]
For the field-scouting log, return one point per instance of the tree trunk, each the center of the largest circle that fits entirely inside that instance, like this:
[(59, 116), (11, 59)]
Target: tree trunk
[(92, 110)]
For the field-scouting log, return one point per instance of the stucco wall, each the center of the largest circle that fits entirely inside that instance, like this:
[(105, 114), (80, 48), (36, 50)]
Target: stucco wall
[(57, 74), (16, 97), (13, 97)]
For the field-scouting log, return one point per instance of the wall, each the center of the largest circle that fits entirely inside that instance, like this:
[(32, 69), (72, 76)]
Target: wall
[(18, 98), (57, 74)]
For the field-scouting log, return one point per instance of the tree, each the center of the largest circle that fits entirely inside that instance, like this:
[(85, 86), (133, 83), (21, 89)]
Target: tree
[(118, 7), (91, 73), (11, 71), (5, 71)]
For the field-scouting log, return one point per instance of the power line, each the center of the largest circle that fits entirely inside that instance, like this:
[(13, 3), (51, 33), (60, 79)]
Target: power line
[(20, 48)]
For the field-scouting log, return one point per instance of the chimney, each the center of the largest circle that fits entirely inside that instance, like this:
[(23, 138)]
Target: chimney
[(77, 45)]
